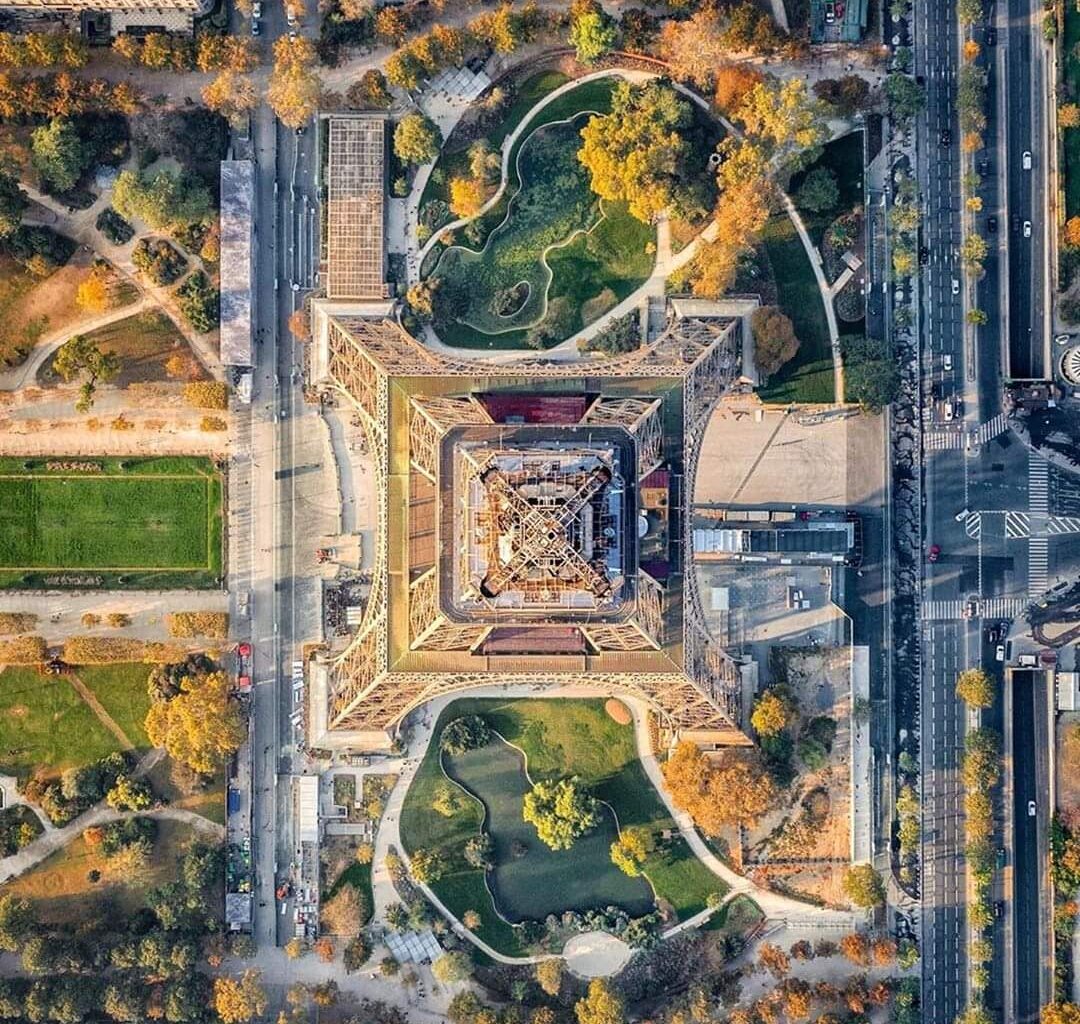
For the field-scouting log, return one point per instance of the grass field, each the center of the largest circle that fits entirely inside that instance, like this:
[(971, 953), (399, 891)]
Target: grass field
[(63, 894), (537, 883), (559, 737), (134, 519), (121, 689), (45, 723), (209, 802), (736, 917), (844, 157), (809, 376)]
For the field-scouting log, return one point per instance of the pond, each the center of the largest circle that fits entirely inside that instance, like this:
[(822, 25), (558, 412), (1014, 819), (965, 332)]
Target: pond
[(530, 880)]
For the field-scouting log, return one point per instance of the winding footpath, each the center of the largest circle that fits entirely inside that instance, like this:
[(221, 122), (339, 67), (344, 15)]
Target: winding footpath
[(388, 838)]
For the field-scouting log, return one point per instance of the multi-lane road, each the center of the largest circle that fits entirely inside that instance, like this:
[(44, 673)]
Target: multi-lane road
[(977, 559)]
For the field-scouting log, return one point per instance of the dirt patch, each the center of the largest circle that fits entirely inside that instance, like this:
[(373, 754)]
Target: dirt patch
[(618, 711), (1068, 782), (19, 711)]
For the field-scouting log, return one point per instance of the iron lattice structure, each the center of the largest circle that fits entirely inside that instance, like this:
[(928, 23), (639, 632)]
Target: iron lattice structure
[(412, 646)]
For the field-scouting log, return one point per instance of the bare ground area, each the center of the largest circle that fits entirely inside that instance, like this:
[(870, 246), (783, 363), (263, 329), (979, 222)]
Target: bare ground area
[(753, 457)]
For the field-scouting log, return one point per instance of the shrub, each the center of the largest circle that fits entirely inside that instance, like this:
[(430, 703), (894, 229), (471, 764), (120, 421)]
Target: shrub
[(114, 227), (158, 260), (207, 394), (465, 733), (23, 650), (191, 624), (107, 650), (212, 424), (17, 622), (41, 250)]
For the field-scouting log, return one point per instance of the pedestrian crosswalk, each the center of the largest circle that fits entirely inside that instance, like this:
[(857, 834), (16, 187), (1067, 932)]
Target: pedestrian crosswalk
[(1017, 525), (941, 440), (973, 525), (1058, 526), (1038, 503), (957, 440), (991, 428), (986, 608)]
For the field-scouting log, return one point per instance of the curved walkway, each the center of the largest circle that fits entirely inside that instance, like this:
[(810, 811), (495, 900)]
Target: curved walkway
[(422, 726)]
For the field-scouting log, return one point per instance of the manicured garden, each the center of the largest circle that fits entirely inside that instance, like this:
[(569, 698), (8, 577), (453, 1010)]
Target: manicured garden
[(549, 256), (130, 522), (557, 738)]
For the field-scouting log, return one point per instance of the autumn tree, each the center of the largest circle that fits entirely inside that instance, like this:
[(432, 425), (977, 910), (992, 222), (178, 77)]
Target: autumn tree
[(561, 810), (631, 850), (1072, 231), (391, 25), (80, 356), (345, 912), (601, 1004), (369, 92), (238, 1000), (638, 152), (732, 790), (294, 87), (695, 48), (549, 975), (451, 967), (774, 345), (1060, 1013), (1069, 115), (93, 293), (975, 688), (417, 138), (202, 726), (231, 95), (466, 197), (847, 95), (427, 866), (773, 959), (733, 82), (786, 120), (864, 886)]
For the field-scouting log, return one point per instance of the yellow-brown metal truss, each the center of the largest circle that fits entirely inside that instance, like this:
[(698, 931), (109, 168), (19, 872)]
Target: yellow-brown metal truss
[(639, 416), (430, 417), (365, 693)]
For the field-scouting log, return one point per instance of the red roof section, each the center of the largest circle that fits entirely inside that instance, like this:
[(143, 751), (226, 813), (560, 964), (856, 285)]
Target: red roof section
[(552, 409)]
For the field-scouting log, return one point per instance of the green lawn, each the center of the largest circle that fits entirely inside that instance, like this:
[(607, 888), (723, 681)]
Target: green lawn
[(809, 376), (736, 917), (537, 882), (122, 692), (45, 723), (559, 737), (134, 519)]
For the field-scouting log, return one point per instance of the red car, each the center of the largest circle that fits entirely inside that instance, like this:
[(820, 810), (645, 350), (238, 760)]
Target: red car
[(935, 552)]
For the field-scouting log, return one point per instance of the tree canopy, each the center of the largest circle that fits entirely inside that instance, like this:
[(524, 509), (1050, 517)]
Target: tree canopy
[(593, 32), (59, 154), (819, 192), (417, 139), (774, 340), (975, 688), (202, 726), (638, 152), (601, 1005), (864, 886), (772, 714), (295, 87), (561, 811), (13, 202), (871, 377), (165, 202), (732, 790), (81, 356)]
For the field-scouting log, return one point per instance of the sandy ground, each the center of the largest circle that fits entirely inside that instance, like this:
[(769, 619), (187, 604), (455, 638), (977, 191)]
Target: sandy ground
[(778, 460)]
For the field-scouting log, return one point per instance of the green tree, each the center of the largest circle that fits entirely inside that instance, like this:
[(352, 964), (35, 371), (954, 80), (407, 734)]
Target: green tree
[(12, 204), (864, 886), (165, 202), (975, 688), (819, 192), (592, 34), (906, 97), (58, 154), (977, 317), (469, 731), (871, 377), (452, 966), (601, 1005), (417, 139), (638, 152), (561, 811), (80, 356), (128, 794), (447, 800)]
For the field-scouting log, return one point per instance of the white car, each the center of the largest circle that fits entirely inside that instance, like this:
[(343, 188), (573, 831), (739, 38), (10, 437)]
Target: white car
[(256, 10), (1061, 339), (949, 412), (1031, 808), (955, 286), (1026, 159), (1027, 229), (999, 652), (946, 362)]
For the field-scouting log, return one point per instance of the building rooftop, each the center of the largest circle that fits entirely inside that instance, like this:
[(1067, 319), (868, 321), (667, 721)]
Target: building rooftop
[(237, 260), (355, 208)]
